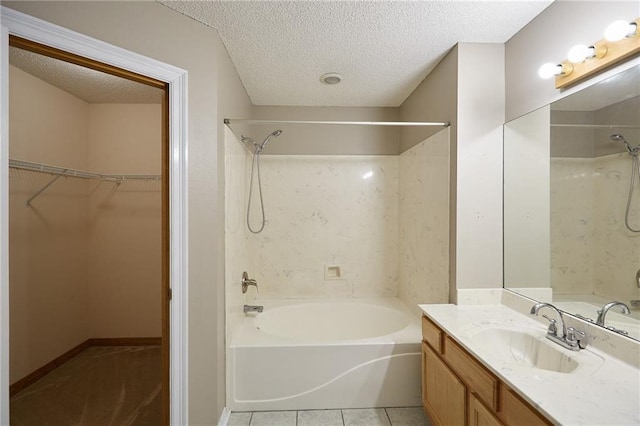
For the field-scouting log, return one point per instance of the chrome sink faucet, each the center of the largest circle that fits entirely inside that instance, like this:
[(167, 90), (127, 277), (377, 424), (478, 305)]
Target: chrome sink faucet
[(567, 337), (603, 312)]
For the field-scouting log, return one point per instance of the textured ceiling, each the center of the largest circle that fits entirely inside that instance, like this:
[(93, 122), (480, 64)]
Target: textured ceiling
[(384, 49), (84, 83)]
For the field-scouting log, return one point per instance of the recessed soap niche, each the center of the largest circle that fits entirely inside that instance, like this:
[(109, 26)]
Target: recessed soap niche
[(332, 272)]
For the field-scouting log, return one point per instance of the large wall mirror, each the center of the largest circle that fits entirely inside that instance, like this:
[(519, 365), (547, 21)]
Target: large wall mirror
[(572, 203)]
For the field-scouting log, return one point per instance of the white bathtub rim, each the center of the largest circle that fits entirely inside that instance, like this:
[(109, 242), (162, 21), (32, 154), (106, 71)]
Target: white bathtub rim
[(248, 335)]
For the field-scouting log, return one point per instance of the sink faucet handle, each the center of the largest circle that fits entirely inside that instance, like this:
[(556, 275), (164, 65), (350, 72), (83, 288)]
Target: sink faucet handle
[(552, 324), (576, 337)]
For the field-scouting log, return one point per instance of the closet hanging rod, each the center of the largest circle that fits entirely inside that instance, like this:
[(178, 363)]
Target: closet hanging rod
[(351, 123), (61, 171), (599, 126)]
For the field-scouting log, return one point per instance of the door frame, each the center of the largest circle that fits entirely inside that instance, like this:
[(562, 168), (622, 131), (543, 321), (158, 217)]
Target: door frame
[(39, 31)]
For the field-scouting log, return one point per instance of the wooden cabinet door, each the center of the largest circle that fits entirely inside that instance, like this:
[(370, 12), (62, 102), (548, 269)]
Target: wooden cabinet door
[(479, 415), (514, 411), (444, 395)]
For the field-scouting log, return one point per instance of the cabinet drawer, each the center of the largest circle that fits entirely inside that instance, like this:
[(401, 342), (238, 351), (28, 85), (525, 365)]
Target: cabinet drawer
[(432, 334), (480, 380), (515, 411)]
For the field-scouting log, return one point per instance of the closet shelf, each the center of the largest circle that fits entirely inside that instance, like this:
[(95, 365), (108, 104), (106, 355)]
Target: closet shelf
[(67, 172)]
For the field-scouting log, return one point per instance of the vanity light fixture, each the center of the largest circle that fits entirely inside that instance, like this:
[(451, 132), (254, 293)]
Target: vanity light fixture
[(619, 30), (550, 69), (580, 53), (621, 42)]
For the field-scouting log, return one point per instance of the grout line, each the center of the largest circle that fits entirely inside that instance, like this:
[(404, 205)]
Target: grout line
[(342, 415), (388, 418)]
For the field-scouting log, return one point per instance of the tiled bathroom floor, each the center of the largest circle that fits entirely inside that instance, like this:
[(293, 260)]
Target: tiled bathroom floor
[(410, 416)]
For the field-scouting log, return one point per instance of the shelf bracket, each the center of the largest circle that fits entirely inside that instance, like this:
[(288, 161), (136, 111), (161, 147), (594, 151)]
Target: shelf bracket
[(44, 188)]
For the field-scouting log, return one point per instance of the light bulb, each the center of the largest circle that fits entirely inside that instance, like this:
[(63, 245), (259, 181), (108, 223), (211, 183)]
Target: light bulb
[(618, 30), (549, 70), (579, 53)]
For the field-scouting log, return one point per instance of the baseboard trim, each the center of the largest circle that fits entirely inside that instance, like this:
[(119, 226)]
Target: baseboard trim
[(125, 341), (33, 377), (47, 368), (224, 417)]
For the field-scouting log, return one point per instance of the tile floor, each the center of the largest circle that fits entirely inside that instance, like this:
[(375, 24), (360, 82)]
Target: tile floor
[(410, 416)]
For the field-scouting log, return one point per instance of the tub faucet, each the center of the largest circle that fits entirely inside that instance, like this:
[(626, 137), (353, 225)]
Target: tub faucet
[(251, 308), (246, 282), (603, 312), (567, 337)]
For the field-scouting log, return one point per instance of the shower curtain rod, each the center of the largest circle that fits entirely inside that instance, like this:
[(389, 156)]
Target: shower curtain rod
[(599, 126), (356, 123)]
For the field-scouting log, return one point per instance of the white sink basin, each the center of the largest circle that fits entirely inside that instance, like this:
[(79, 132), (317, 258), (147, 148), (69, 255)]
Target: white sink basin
[(526, 349), (526, 346)]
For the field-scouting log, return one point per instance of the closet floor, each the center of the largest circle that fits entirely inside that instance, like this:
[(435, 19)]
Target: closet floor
[(103, 385)]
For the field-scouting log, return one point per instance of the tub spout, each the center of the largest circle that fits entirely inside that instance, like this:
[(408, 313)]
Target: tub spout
[(250, 308)]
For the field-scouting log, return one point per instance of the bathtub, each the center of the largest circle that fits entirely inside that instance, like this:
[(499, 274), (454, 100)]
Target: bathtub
[(347, 353)]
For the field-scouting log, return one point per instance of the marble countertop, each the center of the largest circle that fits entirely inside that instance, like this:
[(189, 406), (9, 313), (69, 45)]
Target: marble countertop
[(605, 393)]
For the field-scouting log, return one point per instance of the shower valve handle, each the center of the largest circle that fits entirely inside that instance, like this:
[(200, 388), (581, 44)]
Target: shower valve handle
[(246, 282)]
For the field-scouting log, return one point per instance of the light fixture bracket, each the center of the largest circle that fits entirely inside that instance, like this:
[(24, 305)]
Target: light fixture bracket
[(607, 54)]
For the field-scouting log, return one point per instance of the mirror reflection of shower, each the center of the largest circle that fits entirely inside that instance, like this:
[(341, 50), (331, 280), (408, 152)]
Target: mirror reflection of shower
[(635, 175), (255, 168)]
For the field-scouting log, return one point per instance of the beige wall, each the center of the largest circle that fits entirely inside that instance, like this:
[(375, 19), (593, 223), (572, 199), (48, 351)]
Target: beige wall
[(479, 165), (125, 265), (85, 257), (214, 90), (436, 97), (548, 38), (526, 201), (467, 89), (326, 139), (48, 244)]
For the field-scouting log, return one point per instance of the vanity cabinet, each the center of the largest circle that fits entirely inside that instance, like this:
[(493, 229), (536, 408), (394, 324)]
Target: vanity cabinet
[(442, 391), (458, 390)]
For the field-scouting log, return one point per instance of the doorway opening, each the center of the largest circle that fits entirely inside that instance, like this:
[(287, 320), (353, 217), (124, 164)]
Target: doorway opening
[(91, 234)]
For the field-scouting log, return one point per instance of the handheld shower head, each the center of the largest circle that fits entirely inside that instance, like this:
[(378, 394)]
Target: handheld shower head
[(617, 137), (275, 133)]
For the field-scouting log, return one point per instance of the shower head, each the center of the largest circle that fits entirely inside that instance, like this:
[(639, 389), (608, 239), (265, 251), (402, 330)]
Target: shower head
[(275, 133), (617, 137)]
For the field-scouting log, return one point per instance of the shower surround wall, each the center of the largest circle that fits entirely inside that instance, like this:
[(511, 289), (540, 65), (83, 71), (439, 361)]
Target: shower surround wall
[(593, 252), (327, 216), (424, 222), (382, 221), (85, 258)]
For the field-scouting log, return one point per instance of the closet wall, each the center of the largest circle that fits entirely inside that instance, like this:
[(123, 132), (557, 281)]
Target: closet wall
[(125, 221), (85, 257), (48, 241)]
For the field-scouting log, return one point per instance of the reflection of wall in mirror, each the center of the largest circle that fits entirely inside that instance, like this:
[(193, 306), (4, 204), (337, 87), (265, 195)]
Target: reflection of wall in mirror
[(526, 201), (592, 251)]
